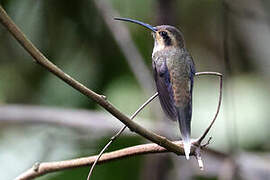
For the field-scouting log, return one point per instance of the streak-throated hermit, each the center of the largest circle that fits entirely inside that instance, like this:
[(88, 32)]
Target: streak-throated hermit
[(174, 71)]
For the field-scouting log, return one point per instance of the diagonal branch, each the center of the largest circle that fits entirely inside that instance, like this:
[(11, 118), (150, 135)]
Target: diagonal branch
[(40, 169), (101, 100)]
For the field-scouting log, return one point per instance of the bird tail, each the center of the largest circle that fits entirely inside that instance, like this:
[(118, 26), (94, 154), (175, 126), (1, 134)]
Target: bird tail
[(184, 118)]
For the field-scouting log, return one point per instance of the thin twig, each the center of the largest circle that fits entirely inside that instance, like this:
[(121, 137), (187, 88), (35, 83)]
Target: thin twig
[(40, 169), (119, 133), (219, 103), (198, 142), (99, 99)]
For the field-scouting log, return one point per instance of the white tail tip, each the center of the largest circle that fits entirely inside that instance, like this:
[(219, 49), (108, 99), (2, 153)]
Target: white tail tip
[(187, 146)]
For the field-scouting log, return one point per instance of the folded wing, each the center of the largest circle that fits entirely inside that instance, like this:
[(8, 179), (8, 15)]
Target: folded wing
[(164, 88)]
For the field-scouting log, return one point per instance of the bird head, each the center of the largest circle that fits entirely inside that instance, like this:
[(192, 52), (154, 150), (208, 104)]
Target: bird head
[(165, 36)]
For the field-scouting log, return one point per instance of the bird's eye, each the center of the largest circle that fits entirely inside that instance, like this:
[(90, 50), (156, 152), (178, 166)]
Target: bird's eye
[(163, 33)]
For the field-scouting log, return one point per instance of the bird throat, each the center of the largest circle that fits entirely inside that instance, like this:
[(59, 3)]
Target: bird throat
[(158, 47)]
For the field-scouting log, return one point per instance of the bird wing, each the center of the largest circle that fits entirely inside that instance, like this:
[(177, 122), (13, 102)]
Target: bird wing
[(164, 88)]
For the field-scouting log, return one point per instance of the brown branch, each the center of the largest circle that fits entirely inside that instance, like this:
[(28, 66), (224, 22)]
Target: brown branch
[(40, 169), (48, 167), (100, 99)]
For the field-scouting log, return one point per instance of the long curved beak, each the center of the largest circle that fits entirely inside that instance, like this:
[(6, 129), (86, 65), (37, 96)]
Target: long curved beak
[(137, 22)]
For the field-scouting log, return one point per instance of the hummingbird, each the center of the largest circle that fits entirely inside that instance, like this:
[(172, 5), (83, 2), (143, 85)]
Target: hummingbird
[(174, 71)]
